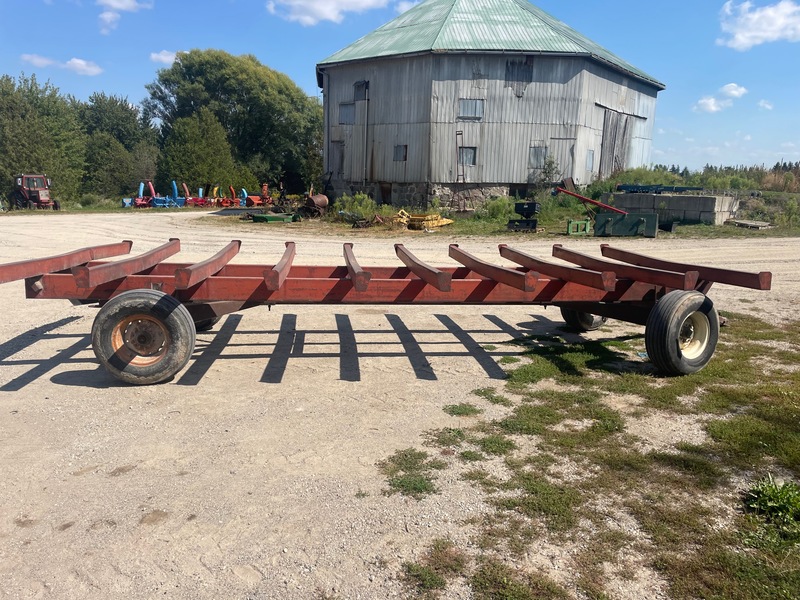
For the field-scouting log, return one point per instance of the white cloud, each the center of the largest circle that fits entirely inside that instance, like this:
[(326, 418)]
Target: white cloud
[(733, 90), (109, 18), (402, 7), (710, 104), (311, 12), (747, 26), (77, 65), (108, 21), (37, 61), (82, 67), (765, 104), (165, 56)]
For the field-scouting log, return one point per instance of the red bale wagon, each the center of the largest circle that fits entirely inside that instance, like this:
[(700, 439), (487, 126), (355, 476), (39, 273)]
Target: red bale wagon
[(150, 310)]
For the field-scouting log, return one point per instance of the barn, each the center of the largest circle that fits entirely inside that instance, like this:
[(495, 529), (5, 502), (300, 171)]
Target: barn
[(460, 99)]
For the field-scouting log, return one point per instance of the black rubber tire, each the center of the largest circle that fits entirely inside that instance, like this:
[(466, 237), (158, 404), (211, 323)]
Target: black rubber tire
[(31, 205), (206, 324), (56, 205), (582, 321), (143, 336), (682, 332)]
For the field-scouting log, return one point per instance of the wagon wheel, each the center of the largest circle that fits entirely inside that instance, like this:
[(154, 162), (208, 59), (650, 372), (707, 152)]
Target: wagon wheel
[(143, 336), (582, 321), (206, 324), (682, 332)]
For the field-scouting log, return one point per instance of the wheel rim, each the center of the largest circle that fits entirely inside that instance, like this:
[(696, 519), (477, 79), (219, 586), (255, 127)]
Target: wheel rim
[(140, 340), (694, 336)]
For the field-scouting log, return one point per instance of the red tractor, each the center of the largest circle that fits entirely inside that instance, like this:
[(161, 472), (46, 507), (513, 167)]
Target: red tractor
[(31, 191)]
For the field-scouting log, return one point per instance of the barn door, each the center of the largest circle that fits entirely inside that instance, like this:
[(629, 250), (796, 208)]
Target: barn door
[(617, 132)]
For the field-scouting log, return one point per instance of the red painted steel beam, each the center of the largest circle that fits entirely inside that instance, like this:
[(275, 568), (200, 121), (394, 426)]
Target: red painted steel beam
[(756, 281), (605, 280), (297, 290), (33, 268), (516, 279), (89, 277), (670, 279), (590, 201), (186, 277), (275, 276), (358, 276), (438, 279)]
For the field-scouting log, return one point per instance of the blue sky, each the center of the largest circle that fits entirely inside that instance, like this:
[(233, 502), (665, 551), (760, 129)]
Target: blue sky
[(730, 67)]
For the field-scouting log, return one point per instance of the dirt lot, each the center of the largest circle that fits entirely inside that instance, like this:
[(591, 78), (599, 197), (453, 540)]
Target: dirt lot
[(253, 473)]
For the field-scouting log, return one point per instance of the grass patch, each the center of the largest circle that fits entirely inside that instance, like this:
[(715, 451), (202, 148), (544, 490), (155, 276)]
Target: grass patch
[(704, 542), (471, 456), (496, 444), (462, 410), (446, 438), (509, 360), (491, 396), (410, 473), (777, 506), (495, 581), (538, 498)]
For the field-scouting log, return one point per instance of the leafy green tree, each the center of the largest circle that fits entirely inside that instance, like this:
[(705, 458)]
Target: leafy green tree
[(109, 166), (269, 122), (115, 116), (144, 163), (40, 131), (197, 151)]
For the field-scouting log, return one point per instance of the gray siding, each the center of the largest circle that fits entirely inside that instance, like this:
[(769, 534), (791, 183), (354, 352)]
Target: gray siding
[(573, 107)]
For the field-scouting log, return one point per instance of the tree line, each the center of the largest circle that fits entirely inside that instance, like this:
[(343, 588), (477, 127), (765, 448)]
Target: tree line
[(211, 117)]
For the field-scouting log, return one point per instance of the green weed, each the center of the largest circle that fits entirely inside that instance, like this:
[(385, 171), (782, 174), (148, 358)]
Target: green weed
[(409, 473)]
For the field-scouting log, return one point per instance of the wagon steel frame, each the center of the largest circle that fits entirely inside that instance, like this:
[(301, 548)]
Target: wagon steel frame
[(150, 309)]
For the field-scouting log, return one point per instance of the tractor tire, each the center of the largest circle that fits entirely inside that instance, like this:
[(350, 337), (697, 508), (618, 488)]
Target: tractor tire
[(582, 321), (681, 333), (18, 201), (56, 205), (143, 336), (31, 205)]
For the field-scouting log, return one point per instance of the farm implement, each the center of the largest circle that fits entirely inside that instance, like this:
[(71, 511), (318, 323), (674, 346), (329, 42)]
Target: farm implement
[(611, 221), (150, 310)]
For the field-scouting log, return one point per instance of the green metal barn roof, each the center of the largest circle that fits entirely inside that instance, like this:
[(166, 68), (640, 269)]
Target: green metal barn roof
[(479, 26)]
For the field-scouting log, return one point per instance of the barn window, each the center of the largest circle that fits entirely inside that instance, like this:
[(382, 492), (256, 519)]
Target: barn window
[(360, 89), (537, 156), (401, 153), (470, 109), (590, 160), (347, 113), (467, 155)]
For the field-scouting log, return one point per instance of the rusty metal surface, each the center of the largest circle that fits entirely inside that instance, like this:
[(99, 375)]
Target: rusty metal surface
[(186, 277), (756, 281), (432, 276), (359, 277), (671, 279), (598, 284), (605, 280), (275, 276), (517, 279), (33, 268), (91, 276)]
